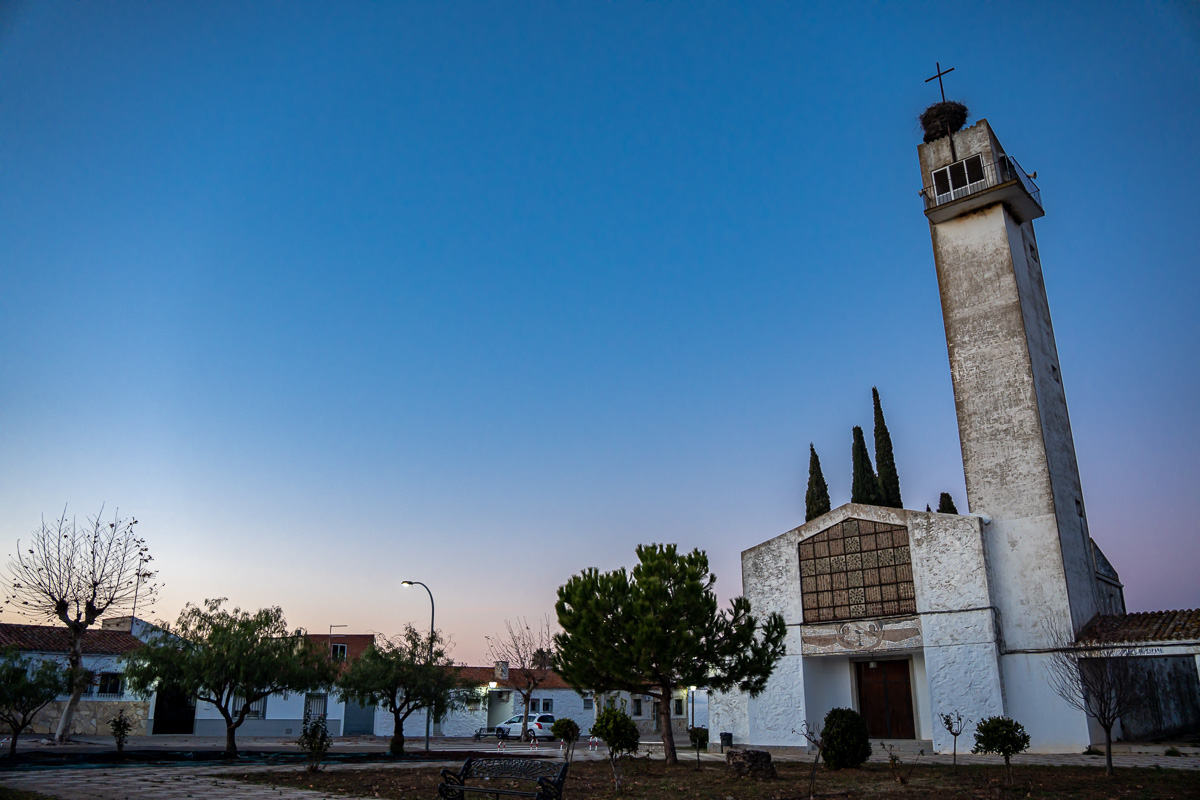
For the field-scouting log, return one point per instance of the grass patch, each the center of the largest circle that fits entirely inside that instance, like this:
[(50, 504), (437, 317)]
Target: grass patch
[(20, 794), (592, 780)]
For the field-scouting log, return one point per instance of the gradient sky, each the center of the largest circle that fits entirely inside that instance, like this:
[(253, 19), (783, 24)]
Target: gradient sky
[(331, 296)]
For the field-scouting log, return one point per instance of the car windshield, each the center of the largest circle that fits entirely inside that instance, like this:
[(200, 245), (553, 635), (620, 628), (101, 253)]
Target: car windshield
[(513, 720)]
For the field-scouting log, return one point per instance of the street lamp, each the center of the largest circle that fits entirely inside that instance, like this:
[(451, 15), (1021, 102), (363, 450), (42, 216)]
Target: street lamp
[(428, 711)]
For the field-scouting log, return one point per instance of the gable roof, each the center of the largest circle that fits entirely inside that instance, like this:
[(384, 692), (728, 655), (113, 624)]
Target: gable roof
[(482, 676), (57, 639), (1146, 626)]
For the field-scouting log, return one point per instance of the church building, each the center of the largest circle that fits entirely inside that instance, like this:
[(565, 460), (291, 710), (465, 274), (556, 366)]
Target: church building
[(908, 615)]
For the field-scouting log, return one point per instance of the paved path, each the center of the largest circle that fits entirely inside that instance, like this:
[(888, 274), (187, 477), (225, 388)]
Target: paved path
[(204, 782)]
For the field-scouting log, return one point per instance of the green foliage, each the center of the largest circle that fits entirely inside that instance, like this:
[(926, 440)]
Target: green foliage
[(314, 741), (699, 737), (816, 499), (25, 690), (885, 462), (658, 627), (120, 727), (1002, 736), (404, 674), (946, 504), (864, 485), (231, 659), (617, 730), (566, 729), (845, 739)]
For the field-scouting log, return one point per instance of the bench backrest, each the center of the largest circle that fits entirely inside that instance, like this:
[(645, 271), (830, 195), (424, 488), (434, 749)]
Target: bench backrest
[(527, 768)]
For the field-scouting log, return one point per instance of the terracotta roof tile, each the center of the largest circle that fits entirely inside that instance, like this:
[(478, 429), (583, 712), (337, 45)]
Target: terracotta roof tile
[(1145, 626), (57, 639), (481, 676)]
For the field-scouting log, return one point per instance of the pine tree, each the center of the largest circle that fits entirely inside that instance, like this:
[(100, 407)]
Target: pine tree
[(816, 499), (864, 487), (946, 504), (885, 462)]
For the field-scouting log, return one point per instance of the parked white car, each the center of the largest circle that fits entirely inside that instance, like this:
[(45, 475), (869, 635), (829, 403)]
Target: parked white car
[(539, 727)]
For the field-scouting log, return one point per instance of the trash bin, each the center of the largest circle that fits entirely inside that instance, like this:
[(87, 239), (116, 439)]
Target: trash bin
[(726, 740)]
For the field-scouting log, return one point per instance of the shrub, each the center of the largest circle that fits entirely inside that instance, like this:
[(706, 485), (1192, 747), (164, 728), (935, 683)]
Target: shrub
[(699, 737), (619, 732), (1003, 737), (120, 727), (314, 740), (845, 739), (567, 730)]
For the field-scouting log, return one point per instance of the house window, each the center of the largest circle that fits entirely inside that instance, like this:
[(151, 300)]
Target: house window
[(588, 703), (547, 706), (315, 705), (637, 706), (533, 706), (258, 709), (678, 707), (109, 684), (337, 652)]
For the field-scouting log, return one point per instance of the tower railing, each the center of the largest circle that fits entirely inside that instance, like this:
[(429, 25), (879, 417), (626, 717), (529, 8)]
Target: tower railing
[(1004, 169)]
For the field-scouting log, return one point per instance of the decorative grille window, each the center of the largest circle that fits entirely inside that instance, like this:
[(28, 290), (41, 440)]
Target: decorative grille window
[(637, 707), (678, 707), (109, 684), (316, 705), (856, 569), (258, 709)]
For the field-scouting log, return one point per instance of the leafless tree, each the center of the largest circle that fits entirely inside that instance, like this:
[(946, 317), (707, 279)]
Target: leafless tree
[(524, 649), (816, 738), (76, 573), (1097, 678)]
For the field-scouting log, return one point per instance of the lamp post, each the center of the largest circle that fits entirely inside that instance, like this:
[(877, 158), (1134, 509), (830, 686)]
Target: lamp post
[(428, 711)]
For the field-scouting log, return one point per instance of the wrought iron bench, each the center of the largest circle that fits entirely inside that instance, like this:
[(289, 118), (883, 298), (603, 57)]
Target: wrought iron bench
[(549, 777)]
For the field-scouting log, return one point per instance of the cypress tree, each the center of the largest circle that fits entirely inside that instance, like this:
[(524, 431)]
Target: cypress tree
[(885, 462), (864, 486), (816, 499), (946, 504)]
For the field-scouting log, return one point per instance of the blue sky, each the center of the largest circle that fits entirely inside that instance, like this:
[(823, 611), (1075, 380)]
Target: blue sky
[(335, 296)]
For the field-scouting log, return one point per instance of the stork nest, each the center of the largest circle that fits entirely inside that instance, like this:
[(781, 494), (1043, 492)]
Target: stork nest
[(943, 119)]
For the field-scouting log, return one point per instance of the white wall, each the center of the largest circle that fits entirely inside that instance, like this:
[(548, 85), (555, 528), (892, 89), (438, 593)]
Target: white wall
[(828, 684)]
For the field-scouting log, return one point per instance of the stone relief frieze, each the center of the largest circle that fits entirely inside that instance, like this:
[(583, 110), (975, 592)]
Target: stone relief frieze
[(860, 636)]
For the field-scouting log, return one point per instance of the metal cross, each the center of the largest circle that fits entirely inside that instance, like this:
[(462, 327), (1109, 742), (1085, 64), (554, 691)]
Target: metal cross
[(939, 78)]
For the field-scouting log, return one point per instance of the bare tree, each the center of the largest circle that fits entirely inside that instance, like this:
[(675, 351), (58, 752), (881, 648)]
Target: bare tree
[(76, 574), (1097, 678), (523, 648)]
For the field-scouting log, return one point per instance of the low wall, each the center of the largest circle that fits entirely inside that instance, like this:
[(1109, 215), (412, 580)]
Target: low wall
[(92, 716)]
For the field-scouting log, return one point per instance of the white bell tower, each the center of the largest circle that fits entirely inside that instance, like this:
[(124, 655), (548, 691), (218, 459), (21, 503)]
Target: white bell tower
[(1018, 452)]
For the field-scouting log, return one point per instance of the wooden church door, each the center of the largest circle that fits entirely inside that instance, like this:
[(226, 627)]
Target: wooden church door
[(885, 699)]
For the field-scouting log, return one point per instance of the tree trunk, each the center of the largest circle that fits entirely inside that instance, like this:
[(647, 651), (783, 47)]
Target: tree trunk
[(79, 682), (1108, 770), (230, 740), (664, 717), (525, 716), (396, 746), (12, 746)]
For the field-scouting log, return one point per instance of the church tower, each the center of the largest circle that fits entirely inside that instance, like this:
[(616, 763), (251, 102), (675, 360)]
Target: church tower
[(1017, 449)]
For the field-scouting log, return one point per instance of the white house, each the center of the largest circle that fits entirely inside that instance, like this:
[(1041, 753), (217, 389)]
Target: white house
[(105, 697)]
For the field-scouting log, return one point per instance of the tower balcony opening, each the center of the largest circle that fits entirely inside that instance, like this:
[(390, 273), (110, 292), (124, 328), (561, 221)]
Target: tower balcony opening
[(975, 182)]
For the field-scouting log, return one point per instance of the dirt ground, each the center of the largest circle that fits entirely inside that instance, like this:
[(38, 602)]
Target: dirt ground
[(652, 779)]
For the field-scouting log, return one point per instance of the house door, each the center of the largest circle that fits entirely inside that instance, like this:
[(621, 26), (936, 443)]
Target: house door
[(174, 711), (885, 699)]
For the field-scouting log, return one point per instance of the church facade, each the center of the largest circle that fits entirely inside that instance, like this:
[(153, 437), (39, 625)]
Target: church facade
[(907, 615)]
